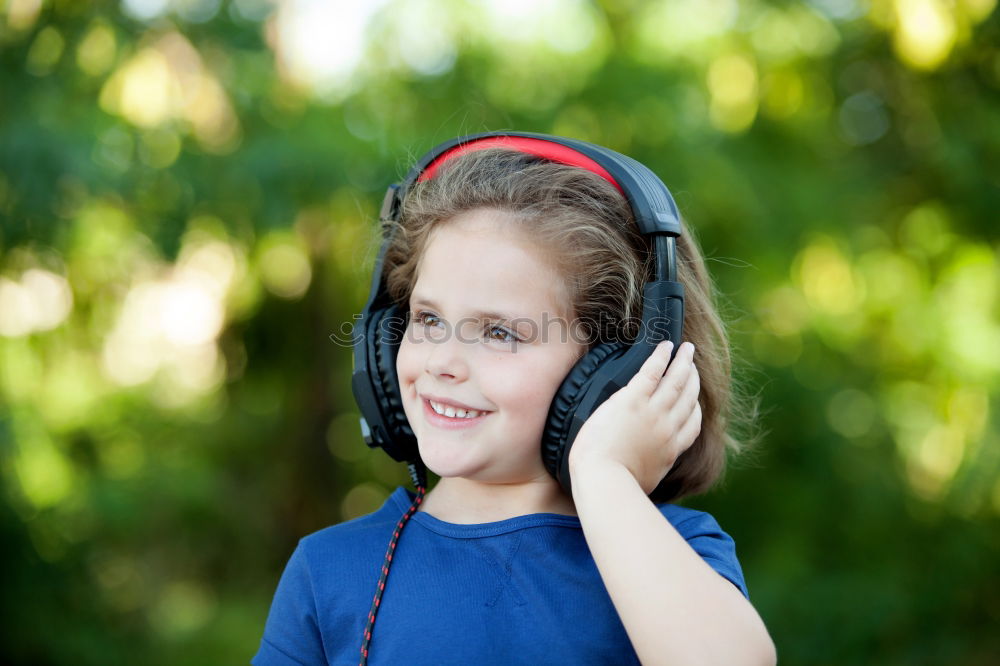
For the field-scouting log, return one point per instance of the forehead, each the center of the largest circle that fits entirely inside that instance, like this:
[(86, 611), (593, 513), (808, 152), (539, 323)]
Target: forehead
[(481, 260)]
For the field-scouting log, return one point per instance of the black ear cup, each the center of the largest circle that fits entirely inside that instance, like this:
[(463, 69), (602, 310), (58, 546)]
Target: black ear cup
[(555, 445), (388, 329)]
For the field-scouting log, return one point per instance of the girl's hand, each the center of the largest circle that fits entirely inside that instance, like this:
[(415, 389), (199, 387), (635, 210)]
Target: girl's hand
[(649, 422)]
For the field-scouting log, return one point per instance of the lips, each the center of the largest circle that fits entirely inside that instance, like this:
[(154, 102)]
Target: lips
[(451, 403), (450, 422)]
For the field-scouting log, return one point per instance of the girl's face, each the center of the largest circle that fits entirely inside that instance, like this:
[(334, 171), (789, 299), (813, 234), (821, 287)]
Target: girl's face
[(489, 331)]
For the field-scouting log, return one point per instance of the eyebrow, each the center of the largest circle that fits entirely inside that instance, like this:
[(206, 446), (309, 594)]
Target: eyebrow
[(479, 314)]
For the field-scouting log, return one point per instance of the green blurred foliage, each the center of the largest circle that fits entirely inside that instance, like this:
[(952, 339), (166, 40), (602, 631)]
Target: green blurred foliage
[(187, 195)]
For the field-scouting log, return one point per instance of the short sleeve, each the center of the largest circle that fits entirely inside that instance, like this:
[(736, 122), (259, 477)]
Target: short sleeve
[(291, 635), (716, 547)]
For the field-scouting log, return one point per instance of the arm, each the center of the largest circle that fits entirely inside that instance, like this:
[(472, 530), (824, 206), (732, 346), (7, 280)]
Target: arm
[(674, 606)]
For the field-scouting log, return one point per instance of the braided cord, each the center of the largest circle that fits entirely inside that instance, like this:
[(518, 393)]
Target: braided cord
[(417, 473)]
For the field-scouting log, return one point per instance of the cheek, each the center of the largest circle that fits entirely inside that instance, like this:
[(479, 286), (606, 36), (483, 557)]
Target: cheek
[(527, 384), (407, 362)]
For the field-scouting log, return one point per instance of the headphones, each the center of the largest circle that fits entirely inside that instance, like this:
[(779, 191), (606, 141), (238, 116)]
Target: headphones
[(604, 369)]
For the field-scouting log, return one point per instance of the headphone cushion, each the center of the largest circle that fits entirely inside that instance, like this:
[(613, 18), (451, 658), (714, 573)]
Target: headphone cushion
[(388, 329), (567, 399)]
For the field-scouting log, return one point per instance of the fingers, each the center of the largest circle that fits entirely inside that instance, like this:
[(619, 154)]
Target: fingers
[(675, 387), (648, 378), (677, 378), (691, 428), (686, 396)]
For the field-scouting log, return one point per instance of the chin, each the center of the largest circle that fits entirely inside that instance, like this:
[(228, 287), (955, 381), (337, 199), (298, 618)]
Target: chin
[(450, 467), (445, 461)]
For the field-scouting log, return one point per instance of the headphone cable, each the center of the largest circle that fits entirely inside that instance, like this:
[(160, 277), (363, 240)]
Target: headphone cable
[(418, 473)]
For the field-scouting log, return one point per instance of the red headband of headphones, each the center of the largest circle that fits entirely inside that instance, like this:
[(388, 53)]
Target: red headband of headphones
[(546, 149)]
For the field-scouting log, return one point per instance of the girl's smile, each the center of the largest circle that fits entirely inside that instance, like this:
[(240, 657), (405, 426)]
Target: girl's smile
[(477, 384), (448, 417)]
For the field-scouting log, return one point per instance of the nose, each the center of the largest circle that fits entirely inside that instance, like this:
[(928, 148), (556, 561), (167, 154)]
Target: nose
[(447, 358)]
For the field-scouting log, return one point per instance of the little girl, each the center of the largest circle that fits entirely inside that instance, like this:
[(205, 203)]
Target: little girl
[(526, 270)]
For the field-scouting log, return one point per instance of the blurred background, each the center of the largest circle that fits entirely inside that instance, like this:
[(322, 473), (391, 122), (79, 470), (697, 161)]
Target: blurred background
[(188, 198)]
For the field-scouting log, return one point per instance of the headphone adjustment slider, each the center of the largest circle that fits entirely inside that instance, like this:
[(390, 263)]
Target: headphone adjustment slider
[(390, 203)]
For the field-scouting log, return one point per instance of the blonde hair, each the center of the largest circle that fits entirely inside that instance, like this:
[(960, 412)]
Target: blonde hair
[(586, 228)]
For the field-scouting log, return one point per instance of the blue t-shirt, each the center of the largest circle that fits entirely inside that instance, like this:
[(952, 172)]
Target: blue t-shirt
[(522, 590)]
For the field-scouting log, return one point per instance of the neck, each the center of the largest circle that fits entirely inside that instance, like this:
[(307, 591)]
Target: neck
[(463, 501)]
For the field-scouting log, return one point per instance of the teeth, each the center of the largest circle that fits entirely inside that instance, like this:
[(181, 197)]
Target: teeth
[(452, 412)]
